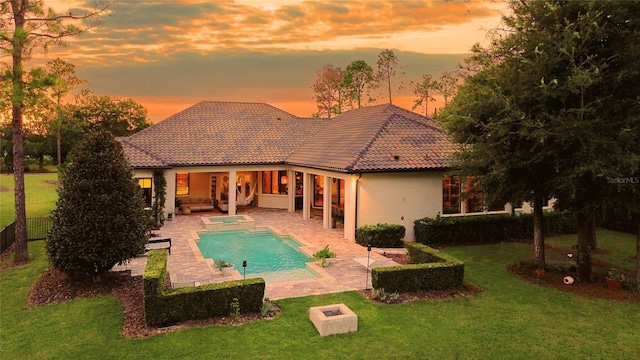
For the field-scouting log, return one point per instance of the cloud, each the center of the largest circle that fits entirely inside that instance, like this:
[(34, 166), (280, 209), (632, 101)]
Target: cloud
[(160, 28), (171, 53)]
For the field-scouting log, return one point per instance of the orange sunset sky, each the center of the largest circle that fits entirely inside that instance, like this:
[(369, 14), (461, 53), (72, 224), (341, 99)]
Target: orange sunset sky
[(170, 54)]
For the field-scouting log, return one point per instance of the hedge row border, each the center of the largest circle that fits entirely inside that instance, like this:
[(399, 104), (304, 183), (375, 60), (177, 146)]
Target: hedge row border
[(431, 270), (485, 229), (170, 306)]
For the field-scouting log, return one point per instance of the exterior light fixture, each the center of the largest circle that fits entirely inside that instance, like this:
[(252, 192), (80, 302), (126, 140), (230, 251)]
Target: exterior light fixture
[(244, 269), (366, 281)]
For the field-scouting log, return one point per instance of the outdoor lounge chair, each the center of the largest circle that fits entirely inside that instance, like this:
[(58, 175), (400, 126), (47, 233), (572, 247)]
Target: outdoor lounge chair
[(373, 262), (159, 243)]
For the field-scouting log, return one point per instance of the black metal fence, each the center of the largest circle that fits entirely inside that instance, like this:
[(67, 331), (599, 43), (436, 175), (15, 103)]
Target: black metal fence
[(37, 229), (7, 236)]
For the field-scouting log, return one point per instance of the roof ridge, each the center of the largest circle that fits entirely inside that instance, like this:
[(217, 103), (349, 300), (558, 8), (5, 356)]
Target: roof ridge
[(125, 139), (372, 139)]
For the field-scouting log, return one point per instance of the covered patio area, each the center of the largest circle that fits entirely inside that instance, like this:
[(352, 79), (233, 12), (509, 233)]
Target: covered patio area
[(338, 276)]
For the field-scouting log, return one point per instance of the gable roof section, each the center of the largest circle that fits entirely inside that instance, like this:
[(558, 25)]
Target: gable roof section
[(224, 133), (376, 139)]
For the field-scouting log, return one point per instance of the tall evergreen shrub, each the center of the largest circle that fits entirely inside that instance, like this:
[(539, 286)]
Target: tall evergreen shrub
[(159, 196), (99, 220)]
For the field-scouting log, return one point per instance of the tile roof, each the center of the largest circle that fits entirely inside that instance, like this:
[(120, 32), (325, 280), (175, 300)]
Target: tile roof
[(223, 133), (372, 139), (140, 158), (376, 138)]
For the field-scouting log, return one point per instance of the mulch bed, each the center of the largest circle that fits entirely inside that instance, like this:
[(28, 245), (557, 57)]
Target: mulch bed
[(553, 278), (55, 286)]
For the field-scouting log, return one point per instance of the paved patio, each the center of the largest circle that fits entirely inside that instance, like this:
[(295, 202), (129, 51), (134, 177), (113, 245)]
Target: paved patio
[(186, 264)]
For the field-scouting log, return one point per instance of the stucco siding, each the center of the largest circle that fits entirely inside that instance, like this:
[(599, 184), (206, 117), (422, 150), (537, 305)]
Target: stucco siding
[(399, 198), (273, 201)]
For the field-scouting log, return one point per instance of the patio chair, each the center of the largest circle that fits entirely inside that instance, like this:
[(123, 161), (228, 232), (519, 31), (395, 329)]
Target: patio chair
[(373, 262)]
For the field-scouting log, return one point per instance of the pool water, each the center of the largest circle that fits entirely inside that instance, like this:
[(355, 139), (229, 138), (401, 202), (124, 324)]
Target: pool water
[(273, 257), (227, 219)]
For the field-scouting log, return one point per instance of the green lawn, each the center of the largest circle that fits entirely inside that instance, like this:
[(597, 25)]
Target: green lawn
[(511, 319), (40, 192)]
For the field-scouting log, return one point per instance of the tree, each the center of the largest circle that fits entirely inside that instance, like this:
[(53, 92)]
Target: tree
[(386, 71), (99, 220), (24, 26), (357, 82), (424, 91), (447, 85), (539, 118), (39, 111), (327, 90), (496, 146), (121, 117), (66, 81)]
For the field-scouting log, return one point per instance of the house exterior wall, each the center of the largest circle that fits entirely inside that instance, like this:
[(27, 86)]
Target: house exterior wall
[(399, 198), (273, 201), (370, 198)]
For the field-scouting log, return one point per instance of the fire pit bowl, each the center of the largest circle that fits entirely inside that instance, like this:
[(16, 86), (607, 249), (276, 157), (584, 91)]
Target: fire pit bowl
[(333, 319)]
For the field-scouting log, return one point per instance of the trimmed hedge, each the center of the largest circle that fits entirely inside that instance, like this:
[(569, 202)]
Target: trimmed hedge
[(165, 307), (462, 230), (432, 270), (381, 235)]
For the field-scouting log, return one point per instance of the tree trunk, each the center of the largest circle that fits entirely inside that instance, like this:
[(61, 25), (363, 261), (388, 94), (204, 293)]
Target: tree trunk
[(17, 103), (592, 234), (538, 232), (41, 163), (584, 222), (18, 175)]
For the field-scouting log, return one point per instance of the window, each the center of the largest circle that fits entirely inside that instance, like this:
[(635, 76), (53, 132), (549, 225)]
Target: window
[(275, 182), (451, 195), (318, 190), (145, 185), (182, 184), (474, 199)]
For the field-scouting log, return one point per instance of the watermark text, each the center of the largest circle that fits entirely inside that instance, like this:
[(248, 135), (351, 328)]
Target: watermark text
[(623, 180)]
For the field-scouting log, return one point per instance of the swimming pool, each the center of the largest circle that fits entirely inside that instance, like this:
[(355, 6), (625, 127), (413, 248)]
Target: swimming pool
[(270, 256)]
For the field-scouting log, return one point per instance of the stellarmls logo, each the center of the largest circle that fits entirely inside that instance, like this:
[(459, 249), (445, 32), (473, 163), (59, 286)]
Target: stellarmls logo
[(623, 180)]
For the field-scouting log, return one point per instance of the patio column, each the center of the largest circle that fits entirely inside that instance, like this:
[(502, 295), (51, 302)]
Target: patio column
[(350, 203), (306, 195), (170, 193), (326, 203), (232, 192), (291, 191)]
